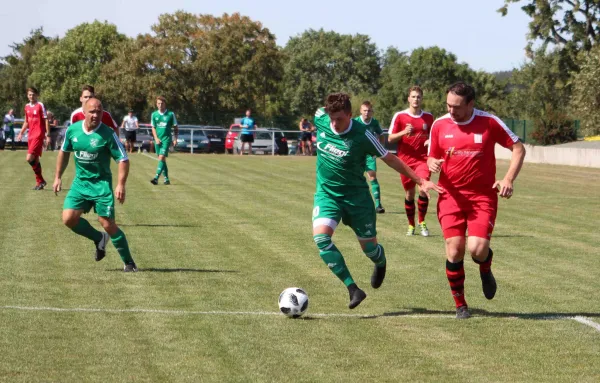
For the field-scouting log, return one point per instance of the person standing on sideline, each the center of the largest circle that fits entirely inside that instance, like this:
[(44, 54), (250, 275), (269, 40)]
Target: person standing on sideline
[(94, 144), (130, 122), (247, 134), (163, 121), (462, 150), (54, 129), (366, 117), (305, 142), (8, 127), (87, 92), (410, 129), (342, 193), (36, 121)]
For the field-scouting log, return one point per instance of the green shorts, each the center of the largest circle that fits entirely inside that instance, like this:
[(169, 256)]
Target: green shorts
[(358, 212), (87, 194), (162, 149), (371, 164)]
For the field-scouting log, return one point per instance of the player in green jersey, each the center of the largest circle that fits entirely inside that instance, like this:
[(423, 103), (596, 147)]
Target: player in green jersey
[(342, 193), (163, 121), (366, 117), (93, 145)]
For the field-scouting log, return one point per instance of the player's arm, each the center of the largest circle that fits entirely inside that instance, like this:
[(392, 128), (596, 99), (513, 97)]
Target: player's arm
[(23, 129), (435, 153), (175, 130), (505, 186), (398, 165), (394, 132), (61, 164), (122, 180), (154, 131)]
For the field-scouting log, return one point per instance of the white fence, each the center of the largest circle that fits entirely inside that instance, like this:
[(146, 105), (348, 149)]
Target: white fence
[(556, 155)]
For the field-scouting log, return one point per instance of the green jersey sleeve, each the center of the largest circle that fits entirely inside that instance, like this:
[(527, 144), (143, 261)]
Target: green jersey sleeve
[(117, 151), (377, 127), (321, 119), (372, 145), (67, 145)]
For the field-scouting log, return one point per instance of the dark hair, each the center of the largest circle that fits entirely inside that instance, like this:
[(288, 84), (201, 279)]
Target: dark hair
[(462, 89), (32, 89), (89, 88), (336, 102), (415, 88), (367, 104), (161, 98)]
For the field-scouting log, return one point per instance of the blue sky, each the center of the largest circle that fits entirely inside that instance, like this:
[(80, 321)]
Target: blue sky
[(471, 29)]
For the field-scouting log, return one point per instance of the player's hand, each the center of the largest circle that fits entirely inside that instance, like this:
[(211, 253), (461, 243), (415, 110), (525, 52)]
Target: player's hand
[(426, 143), (426, 186), (504, 187), (434, 165), (120, 193), (57, 186), (408, 130), (19, 136), (157, 141)]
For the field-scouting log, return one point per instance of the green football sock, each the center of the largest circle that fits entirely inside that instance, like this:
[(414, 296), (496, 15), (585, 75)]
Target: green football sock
[(120, 242), (159, 169), (375, 253), (84, 228), (375, 189), (166, 170), (333, 258)]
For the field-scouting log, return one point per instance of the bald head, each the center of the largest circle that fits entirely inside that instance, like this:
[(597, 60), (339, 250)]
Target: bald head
[(92, 109)]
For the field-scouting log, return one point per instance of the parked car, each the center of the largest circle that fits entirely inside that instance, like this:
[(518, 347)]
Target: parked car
[(200, 144), (263, 142), (232, 133), (217, 136)]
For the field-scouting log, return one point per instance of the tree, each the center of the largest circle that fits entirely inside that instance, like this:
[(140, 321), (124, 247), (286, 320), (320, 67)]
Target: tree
[(61, 69), (561, 22), (320, 62), (586, 92), (17, 68)]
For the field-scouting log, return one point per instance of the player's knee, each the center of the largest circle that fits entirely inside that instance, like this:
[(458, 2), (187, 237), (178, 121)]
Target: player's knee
[(70, 220), (31, 161), (323, 241), (369, 247), (108, 225)]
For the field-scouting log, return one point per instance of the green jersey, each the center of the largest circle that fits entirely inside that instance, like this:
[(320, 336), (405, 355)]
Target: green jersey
[(341, 156), (93, 151), (373, 125), (163, 123)]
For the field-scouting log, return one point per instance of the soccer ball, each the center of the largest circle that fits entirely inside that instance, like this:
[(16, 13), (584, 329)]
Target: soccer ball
[(293, 302)]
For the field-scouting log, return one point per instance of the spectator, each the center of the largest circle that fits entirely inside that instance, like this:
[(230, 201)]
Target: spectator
[(54, 130), (305, 143), (130, 122), (247, 134), (8, 129)]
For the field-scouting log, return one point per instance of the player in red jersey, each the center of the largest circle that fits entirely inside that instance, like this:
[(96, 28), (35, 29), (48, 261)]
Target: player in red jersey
[(462, 149), (39, 130), (410, 128), (87, 92)]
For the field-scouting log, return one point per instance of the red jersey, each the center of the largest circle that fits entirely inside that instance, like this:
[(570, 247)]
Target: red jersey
[(107, 119), (411, 148), (468, 150), (35, 116)]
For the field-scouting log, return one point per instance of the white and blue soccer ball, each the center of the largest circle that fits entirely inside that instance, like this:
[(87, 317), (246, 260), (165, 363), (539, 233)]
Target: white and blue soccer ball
[(293, 302)]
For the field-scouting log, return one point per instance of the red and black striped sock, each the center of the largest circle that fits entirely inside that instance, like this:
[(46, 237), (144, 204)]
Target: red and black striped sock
[(37, 169), (455, 273), (423, 205), (485, 266), (409, 206)]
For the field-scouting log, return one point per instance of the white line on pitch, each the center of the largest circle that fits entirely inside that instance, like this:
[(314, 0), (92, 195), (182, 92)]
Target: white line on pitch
[(149, 156), (587, 322)]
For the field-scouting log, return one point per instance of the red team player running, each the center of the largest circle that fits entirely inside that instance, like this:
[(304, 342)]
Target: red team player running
[(410, 128), (37, 123), (87, 92), (462, 149)]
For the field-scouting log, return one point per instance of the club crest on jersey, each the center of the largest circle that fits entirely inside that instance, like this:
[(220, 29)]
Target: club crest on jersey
[(94, 142), (425, 126), (478, 138)]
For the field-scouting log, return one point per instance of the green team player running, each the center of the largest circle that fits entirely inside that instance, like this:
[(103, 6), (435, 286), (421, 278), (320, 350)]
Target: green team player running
[(342, 192), (366, 117), (94, 144), (163, 121)]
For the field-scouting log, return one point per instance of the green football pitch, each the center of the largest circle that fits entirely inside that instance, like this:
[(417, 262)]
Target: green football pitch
[(217, 247)]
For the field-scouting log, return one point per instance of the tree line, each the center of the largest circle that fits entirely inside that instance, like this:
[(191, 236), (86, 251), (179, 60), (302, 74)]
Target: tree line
[(210, 69)]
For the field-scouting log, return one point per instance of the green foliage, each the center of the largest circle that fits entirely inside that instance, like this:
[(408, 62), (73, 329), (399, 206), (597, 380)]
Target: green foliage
[(585, 102), (322, 62), (61, 69)]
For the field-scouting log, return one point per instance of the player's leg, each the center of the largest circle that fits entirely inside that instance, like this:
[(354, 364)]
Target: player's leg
[(74, 206), (375, 188), (326, 217), (423, 202), (162, 150), (104, 206), (481, 221), (165, 167), (11, 134), (409, 202), (34, 152)]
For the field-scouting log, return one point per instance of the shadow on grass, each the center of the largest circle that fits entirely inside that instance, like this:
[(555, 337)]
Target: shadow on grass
[(178, 270), (155, 225), (411, 311)]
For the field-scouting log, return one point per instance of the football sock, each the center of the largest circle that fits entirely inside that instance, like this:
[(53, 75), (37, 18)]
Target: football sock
[(375, 189), (159, 169), (455, 273), (333, 258), (84, 228), (120, 242), (409, 206), (165, 170), (375, 253), (423, 205), (36, 166), (485, 266)]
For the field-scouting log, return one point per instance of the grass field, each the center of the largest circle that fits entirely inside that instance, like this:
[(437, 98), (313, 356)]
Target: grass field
[(217, 247)]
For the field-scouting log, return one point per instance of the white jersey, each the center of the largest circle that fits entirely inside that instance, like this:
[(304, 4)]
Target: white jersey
[(130, 123)]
